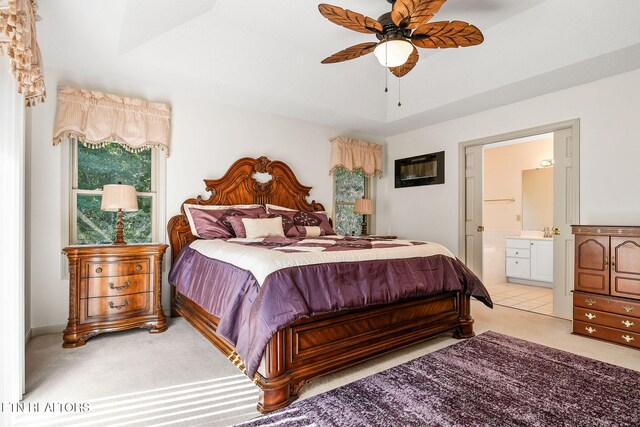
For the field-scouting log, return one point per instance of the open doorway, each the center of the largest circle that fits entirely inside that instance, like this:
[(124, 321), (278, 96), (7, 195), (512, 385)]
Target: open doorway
[(566, 208), (517, 242)]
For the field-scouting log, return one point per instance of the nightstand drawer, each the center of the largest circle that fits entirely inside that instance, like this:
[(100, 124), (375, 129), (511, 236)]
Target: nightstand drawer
[(115, 285), (108, 307), (117, 267)]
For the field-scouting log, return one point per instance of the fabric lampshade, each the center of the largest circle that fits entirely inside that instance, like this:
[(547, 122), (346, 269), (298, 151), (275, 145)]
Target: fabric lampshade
[(119, 196), (363, 207)]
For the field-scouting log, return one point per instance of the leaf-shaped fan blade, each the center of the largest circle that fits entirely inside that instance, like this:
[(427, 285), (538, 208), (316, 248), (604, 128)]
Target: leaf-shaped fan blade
[(352, 52), (413, 13), (404, 69), (351, 20), (447, 34)]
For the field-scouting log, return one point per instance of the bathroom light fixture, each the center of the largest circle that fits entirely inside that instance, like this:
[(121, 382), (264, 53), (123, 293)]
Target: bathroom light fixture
[(546, 163)]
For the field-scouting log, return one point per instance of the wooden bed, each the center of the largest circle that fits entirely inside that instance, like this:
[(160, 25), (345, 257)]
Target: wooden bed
[(316, 345)]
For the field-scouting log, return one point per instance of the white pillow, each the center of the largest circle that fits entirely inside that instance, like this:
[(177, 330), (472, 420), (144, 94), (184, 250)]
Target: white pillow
[(263, 227)]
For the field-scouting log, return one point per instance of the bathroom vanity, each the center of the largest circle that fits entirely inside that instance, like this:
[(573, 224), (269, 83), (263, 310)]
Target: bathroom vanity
[(529, 260)]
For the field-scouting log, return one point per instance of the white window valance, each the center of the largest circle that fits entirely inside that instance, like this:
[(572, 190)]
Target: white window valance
[(96, 118), (356, 155), (18, 42)]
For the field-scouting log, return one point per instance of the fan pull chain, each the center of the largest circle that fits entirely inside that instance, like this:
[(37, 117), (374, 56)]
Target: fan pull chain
[(386, 80), (386, 69), (399, 103)]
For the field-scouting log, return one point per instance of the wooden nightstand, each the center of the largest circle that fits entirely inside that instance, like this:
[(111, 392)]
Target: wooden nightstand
[(112, 288)]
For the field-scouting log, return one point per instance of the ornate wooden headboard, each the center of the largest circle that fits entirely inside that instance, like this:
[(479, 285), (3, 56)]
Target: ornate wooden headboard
[(239, 186)]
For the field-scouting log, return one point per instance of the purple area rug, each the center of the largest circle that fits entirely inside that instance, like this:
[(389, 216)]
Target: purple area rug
[(489, 380)]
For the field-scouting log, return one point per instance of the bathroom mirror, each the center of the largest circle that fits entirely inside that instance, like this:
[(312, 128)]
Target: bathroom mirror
[(537, 199)]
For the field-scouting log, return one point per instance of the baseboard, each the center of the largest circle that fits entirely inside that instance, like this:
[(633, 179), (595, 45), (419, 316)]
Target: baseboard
[(46, 330), (530, 282)]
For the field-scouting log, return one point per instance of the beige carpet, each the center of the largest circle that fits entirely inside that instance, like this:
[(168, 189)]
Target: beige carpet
[(178, 378)]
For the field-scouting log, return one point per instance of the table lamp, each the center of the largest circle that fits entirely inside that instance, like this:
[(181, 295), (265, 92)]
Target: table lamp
[(363, 207), (119, 198)]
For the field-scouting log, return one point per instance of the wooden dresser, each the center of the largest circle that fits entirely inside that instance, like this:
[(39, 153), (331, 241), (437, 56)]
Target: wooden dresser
[(112, 288), (606, 300)]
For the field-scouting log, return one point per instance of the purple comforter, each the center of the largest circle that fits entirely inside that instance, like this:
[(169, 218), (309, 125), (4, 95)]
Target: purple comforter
[(251, 314)]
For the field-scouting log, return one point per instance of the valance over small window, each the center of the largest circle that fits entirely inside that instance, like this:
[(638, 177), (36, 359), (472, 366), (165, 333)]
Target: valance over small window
[(356, 155), (95, 119), (18, 42)]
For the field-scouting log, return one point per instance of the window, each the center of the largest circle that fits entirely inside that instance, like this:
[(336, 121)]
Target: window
[(349, 186), (111, 164)]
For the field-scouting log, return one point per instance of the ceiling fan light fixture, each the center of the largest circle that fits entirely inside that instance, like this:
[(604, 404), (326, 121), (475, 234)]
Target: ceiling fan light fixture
[(393, 53)]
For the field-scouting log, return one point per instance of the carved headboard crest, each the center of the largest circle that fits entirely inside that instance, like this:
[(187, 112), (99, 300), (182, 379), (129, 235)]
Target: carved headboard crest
[(246, 182)]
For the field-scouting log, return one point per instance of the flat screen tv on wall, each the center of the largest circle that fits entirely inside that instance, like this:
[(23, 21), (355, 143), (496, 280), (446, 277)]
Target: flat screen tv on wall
[(426, 169)]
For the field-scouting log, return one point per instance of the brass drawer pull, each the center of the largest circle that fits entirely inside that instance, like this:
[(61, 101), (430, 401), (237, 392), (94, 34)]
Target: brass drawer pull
[(138, 267), (627, 308), (118, 307), (627, 323), (627, 338), (98, 270), (590, 329), (119, 288), (590, 316), (590, 301)]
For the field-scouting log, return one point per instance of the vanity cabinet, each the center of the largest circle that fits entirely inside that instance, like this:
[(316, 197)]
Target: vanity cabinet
[(607, 283), (530, 259)]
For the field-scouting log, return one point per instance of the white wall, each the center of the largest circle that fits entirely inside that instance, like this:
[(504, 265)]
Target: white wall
[(206, 139), (609, 153)]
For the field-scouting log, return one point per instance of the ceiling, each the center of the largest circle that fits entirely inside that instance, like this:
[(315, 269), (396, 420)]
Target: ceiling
[(265, 55)]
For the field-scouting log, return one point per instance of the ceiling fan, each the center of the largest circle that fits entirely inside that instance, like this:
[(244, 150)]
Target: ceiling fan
[(399, 32)]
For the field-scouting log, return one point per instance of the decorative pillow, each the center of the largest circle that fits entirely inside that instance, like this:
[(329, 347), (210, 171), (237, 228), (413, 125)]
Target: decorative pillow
[(212, 222), (238, 225), (263, 227), (304, 224)]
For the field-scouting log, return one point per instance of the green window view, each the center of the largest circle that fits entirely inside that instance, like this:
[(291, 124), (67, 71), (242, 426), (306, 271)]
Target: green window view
[(349, 187), (112, 164)]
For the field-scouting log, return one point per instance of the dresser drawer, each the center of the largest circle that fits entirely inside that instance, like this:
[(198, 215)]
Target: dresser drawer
[(517, 267), (607, 304), (115, 285), (617, 321), (606, 333), (117, 267), (107, 308), (518, 253)]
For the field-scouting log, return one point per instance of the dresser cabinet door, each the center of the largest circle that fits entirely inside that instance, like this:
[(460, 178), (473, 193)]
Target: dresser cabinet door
[(625, 267), (592, 264)]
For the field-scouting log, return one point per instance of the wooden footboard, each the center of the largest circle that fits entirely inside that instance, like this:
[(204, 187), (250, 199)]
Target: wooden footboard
[(318, 345)]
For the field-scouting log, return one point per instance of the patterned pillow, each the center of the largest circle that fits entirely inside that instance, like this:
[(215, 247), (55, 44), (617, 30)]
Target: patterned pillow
[(212, 222), (304, 224)]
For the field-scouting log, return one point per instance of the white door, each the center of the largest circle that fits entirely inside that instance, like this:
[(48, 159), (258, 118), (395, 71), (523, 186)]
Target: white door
[(473, 209), (566, 205)]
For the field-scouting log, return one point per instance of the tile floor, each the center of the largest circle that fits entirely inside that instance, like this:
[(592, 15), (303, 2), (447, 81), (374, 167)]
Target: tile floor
[(524, 297)]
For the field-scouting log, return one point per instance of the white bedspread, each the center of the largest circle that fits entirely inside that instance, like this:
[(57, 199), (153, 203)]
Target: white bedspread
[(262, 262)]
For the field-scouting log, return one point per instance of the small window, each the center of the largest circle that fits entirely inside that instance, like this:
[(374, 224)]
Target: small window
[(349, 186), (112, 164)]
